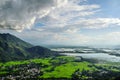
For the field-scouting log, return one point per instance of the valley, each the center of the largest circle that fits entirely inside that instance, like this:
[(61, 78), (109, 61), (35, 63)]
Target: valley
[(20, 60), (68, 66)]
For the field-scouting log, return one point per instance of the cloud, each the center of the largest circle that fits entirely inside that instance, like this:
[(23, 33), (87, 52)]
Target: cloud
[(20, 14), (98, 23), (64, 15), (76, 25), (61, 21), (56, 15), (64, 18), (110, 38), (23, 14)]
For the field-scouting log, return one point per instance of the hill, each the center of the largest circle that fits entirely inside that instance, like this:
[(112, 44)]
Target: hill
[(13, 48), (38, 51)]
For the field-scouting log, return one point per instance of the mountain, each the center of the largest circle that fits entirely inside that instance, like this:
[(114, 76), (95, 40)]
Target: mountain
[(13, 48), (37, 51)]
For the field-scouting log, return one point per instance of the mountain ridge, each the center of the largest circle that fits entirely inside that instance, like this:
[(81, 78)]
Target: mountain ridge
[(13, 48)]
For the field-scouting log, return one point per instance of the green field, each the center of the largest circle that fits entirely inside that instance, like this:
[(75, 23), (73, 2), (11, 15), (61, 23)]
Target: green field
[(66, 70), (54, 67)]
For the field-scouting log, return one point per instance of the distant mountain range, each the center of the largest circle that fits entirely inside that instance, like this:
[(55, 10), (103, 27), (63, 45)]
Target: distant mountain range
[(13, 48)]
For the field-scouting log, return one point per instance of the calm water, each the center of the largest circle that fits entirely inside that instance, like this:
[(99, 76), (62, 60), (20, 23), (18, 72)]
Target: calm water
[(98, 56)]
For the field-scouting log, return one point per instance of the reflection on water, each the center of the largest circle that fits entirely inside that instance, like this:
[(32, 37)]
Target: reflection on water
[(91, 53), (98, 56)]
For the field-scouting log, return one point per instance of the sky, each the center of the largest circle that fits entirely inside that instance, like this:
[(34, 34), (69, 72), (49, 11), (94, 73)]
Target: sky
[(62, 22)]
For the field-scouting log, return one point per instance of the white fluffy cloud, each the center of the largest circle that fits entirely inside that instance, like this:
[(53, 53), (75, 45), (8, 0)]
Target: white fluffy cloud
[(61, 20), (56, 15), (65, 15), (20, 14), (98, 23)]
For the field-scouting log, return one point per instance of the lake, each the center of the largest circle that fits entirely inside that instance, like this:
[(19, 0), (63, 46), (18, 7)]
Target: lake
[(98, 56)]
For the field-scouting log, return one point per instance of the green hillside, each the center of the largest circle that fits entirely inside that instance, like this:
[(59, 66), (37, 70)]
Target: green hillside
[(13, 48)]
